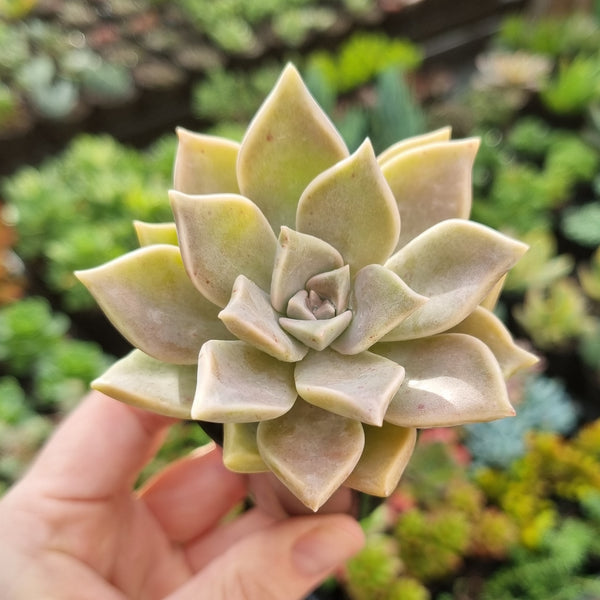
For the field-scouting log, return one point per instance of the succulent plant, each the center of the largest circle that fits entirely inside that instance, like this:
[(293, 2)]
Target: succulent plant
[(321, 349)]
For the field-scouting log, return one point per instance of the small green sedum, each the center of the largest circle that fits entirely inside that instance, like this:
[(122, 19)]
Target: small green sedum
[(322, 306)]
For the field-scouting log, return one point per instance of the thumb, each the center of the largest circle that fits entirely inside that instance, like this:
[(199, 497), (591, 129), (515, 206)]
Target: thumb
[(282, 562)]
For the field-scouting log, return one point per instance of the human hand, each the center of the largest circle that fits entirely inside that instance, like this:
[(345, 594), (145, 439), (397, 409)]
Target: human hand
[(73, 528)]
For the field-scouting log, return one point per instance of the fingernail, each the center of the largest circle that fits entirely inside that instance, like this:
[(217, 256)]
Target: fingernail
[(326, 546)]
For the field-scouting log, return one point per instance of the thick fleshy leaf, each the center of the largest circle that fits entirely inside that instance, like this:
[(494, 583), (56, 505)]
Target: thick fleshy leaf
[(387, 451), (143, 381), (483, 324), (359, 387), (317, 334), (431, 183), (155, 233), (148, 297), (493, 296), (439, 135), (298, 307), (455, 264), (250, 317), (288, 143), (222, 236), (311, 451), (298, 257), (351, 207), (240, 448), (333, 285), (380, 300), (451, 379), (240, 384), (205, 164)]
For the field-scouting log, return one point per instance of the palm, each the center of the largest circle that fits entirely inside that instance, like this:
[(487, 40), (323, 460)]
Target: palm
[(97, 539), (120, 541)]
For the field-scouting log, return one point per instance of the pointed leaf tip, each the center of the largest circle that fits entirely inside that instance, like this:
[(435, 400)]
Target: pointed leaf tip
[(147, 383), (455, 264), (250, 317), (351, 207), (431, 183), (451, 379), (292, 137), (205, 164), (176, 319), (311, 451)]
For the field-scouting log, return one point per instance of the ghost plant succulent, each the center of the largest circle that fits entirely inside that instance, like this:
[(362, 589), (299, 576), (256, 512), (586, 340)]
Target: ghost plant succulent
[(321, 305)]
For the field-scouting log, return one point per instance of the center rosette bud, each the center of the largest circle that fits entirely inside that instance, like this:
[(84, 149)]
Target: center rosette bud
[(319, 313)]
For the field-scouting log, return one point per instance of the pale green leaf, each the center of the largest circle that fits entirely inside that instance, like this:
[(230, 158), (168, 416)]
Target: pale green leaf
[(380, 300), (431, 183), (317, 334), (288, 143), (147, 383), (155, 233), (311, 451), (439, 135), (451, 379), (250, 317), (149, 298), (298, 257), (222, 236), (359, 386), (334, 286), (351, 207), (205, 164), (455, 263), (239, 384), (240, 448), (483, 324), (387, 451)]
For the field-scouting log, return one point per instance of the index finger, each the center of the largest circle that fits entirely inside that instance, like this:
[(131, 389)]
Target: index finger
[(98, 450)]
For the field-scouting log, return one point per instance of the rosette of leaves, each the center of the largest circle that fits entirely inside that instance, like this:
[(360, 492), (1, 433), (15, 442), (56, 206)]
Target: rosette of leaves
[(323, 347)]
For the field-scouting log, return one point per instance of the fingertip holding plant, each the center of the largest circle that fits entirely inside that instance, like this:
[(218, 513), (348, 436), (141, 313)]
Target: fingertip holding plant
[(321, 305)]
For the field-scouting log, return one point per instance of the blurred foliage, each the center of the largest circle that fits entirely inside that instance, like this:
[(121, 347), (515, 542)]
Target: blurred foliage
[(41, 63), (552, 36), (553, 469), (581, 224), (54, 369), (576, 84), (233, 96), (43, 372), (545, 406), (75, 211), (589, 276), (555, 316), (541, 265), (361, 58)]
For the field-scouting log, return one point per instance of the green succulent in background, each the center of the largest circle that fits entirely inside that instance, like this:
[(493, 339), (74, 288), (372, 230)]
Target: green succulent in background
[(531, 137), (361, 58), (75, 209), (541, 265), (551, 36), (321, 305), (54, 369), (581, 224), (589, 276), (555, 316), (574, 87)]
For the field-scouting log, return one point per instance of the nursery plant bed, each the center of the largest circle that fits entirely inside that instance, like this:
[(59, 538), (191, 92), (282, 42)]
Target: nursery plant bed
[(448, 32)]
